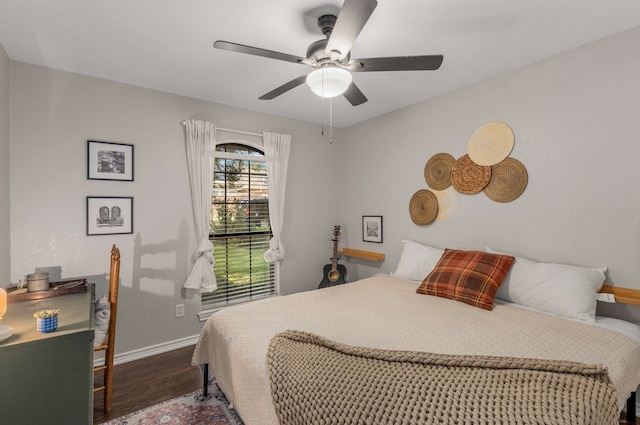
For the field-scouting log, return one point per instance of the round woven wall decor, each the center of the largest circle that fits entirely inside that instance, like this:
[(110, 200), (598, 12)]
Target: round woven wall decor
[(437, 171), (423, 207), (468, 177), (447, 203), (509, 178), (491, 143)]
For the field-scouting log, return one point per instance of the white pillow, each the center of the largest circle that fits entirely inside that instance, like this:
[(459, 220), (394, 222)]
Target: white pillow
[(560, 289), (417, 260)]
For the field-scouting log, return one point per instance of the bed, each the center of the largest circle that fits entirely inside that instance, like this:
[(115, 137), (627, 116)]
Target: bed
[(385, 312)]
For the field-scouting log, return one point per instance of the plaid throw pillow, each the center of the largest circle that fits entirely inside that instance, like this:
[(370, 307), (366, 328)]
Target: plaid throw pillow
[(472, 277)]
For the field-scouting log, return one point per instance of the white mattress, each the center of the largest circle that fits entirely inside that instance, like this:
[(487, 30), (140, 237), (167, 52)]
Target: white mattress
[(625, 328), (385, 312)]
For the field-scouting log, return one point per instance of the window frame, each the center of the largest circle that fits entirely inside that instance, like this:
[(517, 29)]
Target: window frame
[(205, 313)]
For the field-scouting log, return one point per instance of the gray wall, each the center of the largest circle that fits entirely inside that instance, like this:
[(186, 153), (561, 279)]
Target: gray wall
[(54, 113), (576, 127), (5, 168), (575, 119)]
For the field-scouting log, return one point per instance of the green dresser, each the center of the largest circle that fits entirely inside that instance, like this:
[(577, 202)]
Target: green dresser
[(47, 379)]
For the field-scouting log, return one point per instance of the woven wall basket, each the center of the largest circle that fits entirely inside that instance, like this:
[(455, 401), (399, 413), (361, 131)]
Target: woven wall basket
[(447, 203), (423, 207), (437, 171), (468, 177), (491, 143), (509, 179)]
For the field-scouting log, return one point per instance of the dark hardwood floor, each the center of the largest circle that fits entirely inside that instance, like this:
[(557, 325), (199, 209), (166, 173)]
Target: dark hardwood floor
[(143, 383)]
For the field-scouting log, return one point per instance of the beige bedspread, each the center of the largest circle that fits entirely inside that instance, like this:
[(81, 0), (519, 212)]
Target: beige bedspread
[(385, 312)]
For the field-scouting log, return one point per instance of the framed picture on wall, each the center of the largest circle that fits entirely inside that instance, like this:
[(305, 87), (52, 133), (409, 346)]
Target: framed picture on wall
[(109, 161), (109, 215), (372, 228)]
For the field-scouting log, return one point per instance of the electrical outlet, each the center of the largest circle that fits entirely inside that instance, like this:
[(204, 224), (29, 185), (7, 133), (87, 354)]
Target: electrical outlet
[(179, 310)]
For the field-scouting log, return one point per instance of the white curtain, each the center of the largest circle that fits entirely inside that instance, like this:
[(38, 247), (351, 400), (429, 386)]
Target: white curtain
[(200, 139), (276, 152)]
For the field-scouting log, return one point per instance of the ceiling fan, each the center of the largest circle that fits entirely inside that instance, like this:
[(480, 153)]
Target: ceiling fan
[(330, 57)]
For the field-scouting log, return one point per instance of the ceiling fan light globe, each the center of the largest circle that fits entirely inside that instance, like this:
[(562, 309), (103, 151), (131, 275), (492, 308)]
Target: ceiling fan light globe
[(329, 81)]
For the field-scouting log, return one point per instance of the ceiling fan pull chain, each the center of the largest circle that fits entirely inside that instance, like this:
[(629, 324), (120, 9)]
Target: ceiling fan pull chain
[(322, 70), (331, 120), (322, 116)]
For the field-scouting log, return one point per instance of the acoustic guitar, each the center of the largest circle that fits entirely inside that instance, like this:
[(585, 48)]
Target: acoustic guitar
[(334, 273)]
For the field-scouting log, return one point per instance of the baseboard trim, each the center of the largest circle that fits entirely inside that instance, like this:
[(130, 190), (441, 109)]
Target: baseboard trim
[(142, 353)]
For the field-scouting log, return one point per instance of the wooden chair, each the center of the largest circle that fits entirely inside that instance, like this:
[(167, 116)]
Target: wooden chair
[(108, 346)]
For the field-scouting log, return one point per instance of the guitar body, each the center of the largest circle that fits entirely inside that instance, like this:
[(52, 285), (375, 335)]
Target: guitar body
[(334, 273), (333, 278)]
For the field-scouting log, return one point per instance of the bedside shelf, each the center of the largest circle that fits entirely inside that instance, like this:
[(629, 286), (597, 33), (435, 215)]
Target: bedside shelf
[(365, 255), (622, 295)]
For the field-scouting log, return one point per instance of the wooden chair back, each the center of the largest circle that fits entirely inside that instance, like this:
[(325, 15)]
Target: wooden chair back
[(108, 346)]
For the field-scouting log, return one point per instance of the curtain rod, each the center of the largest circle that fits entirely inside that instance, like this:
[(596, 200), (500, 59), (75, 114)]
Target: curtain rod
[(228, 130), (248, 133)]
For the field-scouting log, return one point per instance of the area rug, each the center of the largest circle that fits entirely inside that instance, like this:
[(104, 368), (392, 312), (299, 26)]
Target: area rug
[(189, 409)]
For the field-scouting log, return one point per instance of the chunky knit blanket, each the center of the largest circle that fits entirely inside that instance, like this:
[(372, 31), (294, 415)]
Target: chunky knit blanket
[(318, 381)]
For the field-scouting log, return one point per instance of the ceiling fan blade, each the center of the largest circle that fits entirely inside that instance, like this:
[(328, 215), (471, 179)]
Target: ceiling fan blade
[(399, 63), (354, 95), (352, 18), (284, 88), (256, 51)]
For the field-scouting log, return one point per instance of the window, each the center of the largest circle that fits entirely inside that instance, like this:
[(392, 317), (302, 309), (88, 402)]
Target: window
[(240, 228)]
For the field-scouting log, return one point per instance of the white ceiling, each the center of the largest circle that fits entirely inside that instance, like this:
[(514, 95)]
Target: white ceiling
[(167, 44)]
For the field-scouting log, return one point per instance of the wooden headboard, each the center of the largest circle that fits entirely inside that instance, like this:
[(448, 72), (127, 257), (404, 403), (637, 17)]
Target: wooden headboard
[(623, 295)]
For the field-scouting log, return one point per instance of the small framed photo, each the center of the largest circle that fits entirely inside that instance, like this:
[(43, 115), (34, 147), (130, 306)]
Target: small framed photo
[(109, 161), (372, 228), (109, 215)]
